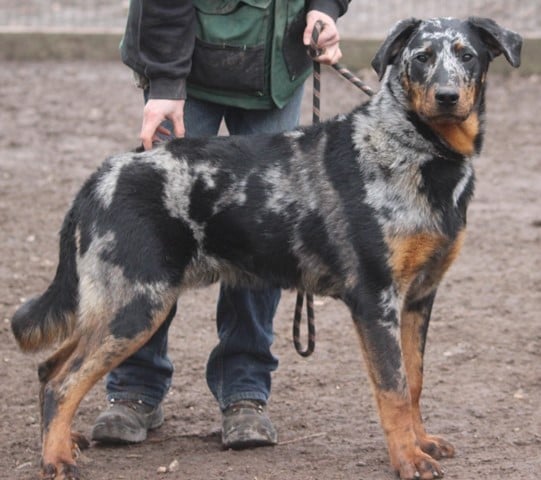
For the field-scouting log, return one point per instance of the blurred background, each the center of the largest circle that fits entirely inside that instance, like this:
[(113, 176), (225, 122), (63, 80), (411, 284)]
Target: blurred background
[(365, 19), (91, 29)]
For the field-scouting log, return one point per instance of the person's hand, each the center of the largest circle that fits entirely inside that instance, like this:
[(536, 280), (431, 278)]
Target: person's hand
[(329, 39), (155, 112)]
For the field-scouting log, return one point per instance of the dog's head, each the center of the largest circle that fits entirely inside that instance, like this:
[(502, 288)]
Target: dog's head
[(441, 63)]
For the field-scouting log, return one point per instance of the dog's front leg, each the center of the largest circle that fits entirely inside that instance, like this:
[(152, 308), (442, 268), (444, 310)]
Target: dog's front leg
[(380, 340), (413, 331)]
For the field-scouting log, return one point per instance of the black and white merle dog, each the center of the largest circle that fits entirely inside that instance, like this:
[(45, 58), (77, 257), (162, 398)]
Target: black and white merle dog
[(369, 208)]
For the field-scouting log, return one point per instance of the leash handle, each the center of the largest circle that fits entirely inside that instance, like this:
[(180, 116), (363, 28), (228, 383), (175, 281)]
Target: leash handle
[(313, 50)]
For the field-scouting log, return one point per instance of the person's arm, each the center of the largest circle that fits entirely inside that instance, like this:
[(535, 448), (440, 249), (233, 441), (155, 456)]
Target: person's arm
[(158, 45), (333, 8), (328, 12)]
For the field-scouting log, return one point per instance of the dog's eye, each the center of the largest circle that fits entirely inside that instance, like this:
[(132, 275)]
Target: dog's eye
[(422, 57), (466, 57)]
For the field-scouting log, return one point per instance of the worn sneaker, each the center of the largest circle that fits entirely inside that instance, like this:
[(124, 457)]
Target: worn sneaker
[(126, 421), (245, 424)]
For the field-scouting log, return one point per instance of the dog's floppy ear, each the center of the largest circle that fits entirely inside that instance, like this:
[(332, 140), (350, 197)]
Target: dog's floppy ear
[(393, 44), (498, 39)]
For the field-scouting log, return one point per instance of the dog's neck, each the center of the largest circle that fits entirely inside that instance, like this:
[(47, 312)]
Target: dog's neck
[(461, 137)]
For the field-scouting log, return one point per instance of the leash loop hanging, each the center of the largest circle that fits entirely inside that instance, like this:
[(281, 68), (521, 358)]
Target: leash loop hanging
[(310, 322)]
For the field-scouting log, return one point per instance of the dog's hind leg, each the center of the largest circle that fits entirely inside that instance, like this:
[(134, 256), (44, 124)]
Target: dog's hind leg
[(380, 341), (70, 373), (48, 369), (413, 331)]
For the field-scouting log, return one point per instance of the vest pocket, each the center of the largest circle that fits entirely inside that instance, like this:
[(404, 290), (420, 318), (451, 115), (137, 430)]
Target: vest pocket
[(228, 67), (232, 45)]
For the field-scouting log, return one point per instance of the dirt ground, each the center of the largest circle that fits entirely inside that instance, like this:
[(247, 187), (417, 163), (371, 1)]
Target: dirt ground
[(58, 121)]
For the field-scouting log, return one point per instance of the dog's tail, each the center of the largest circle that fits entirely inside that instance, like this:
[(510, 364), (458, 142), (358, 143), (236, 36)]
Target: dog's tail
[(43, 320)]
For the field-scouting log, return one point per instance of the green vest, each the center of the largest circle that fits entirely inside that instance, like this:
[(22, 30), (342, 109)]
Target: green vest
[(248, 53)]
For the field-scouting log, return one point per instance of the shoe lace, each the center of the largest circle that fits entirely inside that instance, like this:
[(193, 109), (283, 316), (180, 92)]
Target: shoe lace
[(135, 405), (251, 404)]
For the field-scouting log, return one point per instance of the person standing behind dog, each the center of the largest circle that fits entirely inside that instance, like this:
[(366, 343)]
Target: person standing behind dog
[(243, 61)]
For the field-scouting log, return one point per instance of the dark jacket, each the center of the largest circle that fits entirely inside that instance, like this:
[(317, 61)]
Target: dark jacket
[(159, 43)]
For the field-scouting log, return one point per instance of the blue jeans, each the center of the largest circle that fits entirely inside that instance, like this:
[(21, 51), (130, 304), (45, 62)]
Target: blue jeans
[(240, 366)]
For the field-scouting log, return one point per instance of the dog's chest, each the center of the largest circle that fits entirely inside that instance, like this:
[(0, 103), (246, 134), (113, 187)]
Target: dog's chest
[(411, 190), (412, 185), (419, 200)]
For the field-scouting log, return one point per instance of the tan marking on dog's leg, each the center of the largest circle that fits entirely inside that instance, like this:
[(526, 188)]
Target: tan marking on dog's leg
[(396, 417), (407, 458), (50, 367), (413, 328), (97, 353)]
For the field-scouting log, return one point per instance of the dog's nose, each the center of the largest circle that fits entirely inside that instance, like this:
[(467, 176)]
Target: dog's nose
[(447, 96)]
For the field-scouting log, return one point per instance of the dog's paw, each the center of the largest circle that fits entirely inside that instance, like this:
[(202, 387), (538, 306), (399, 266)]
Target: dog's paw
[(63, 471), (418, 466), (436, 447)]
